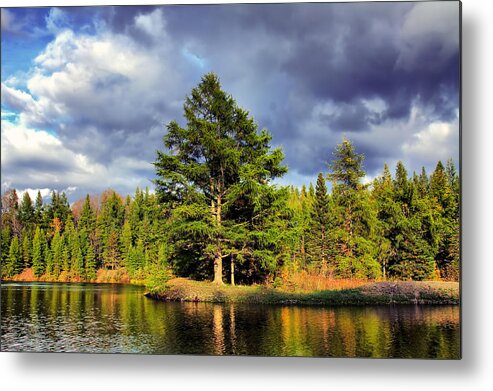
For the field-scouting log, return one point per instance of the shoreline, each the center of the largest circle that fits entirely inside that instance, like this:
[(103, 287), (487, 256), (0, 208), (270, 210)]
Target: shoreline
[(374, 293), (103, 276), (371, 293)]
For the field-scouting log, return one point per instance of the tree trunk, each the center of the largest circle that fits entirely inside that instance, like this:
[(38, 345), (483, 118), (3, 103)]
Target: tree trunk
[(218, 256), (232, 270), (218, 267)]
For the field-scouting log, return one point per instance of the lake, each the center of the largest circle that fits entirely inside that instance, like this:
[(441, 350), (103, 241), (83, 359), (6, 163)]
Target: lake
[(108, 318)]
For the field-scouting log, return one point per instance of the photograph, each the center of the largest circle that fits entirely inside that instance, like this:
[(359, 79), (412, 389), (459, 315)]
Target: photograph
[(264, 179)]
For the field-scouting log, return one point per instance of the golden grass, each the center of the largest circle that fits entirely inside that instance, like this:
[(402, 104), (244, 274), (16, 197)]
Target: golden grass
[(305, 282)]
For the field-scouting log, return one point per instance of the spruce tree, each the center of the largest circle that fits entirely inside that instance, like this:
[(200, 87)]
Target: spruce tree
[(90, 266), (57, 252), (444, 192), (26, 211), (37, 253), (14, 260), (388, 216), (26, 250), (413, 232), (38, 209), (320, 223), (47, 254), (354, 218)]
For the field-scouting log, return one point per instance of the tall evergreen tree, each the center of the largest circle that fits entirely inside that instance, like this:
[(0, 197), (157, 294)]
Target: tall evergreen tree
[(320, 223), (212, 163), (26, 211), (14, 260), (90, 264), (413, 234), (57, 250), (37, 253), (354, 217), (388, 216), (38, 209), (26, 249)]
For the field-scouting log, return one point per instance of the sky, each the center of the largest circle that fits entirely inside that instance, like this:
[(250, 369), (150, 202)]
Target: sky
[(86, 92)]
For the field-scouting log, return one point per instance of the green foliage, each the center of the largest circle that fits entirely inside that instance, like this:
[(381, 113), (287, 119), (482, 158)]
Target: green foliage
[(215, 178), (26, 211), (37, 252), (157, 275), (14, 262), (26, 249), (318, 236), (90, 266), (353, 218), (57, 255)]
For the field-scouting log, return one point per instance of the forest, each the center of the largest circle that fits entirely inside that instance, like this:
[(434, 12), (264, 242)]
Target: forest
[(217, 214)]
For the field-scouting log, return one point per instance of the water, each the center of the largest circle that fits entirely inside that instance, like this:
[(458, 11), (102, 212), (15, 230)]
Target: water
[(102, 318)]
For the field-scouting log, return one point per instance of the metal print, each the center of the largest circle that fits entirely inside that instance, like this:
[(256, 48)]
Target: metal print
[(239, 179)]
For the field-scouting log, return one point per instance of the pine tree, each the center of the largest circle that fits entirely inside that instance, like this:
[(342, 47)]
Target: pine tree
[(77, 261), (216, 160), (38, 209), (111, 253), (354, 217), (413, 230), (14, 260), (126, 238), (26, 250), (423, 183), (26, 211), (47, 254), (37, 253), (57, 252), (320, 223), (90, 266), (388, 216), (444, 191)]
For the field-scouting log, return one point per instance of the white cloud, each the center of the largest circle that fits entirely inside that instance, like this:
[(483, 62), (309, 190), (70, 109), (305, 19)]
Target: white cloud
[(56, 20), (45, 192), (439, 140), (152, 24), (35, 160)]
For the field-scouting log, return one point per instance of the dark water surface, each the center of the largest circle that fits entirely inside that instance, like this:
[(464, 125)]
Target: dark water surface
[(102, 318)]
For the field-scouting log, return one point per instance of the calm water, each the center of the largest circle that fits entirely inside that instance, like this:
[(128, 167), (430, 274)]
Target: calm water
[(117, 318)]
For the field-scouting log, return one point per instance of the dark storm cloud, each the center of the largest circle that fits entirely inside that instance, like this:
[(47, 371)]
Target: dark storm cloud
[(341, 53)]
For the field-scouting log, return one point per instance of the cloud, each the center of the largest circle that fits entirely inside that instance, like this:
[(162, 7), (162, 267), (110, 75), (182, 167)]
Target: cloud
[(36, 159), (33, 193), (9, 22), (383, 74), (437, 141), (106, 87), (430, 36), (152, 24)]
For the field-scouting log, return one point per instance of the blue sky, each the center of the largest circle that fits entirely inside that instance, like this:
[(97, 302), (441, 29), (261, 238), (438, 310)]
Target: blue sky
[(86, 91)]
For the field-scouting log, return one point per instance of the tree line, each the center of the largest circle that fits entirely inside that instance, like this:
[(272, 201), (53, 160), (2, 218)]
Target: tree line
[(215, 204), (98, 232)]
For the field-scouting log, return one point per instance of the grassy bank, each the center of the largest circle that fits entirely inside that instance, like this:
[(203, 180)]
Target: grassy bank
[(119, 276), (408, 292)]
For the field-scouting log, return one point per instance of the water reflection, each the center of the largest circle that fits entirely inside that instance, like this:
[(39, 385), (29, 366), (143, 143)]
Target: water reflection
[(117, 318)]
